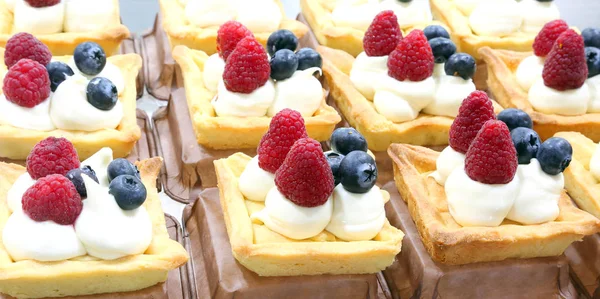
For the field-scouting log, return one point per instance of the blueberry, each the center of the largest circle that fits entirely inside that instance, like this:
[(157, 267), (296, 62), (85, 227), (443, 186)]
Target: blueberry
[(527, 142), (102, 93), (308, 58), (89, 58), (592, 56), (128, 190), (58, 72), (405, 1), (461, 65), (515, 118), (591, 37), (433, 31), (119, 167), (555, 155), (281, 39), (358, 172), (283, 64), (345, 140), (74, 175), (334, 159), (442, 49)]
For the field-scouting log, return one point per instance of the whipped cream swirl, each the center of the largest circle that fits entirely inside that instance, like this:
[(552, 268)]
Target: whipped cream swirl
[(80, 17), (301, 92), (447, 161), (551, 101), (255, 182), (496, 18), (38, 20)]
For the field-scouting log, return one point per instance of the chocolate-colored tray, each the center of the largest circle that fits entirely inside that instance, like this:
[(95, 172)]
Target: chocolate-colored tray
[(159, 66), (133, 44), (584, 258)]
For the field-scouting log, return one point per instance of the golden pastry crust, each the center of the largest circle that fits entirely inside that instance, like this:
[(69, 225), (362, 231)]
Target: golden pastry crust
[(219, 132), (270, 254), (449, 243), (180, 32), (88, 275), (64, 43), (502, 82)]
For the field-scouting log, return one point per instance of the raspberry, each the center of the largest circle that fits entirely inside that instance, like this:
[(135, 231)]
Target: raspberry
[(566, 67), (247, 68), (545, 39), (52, 198), (24, 45), (492, 157), (474, 111), (42, 3), (52, 156), (412, 59), (27, 83), (229, 35), (286, 127), (383, 34), (305, 177)]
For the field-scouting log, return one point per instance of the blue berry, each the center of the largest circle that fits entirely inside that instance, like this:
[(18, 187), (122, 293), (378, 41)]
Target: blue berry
[(433, 31), (308, 58), (128, 190), (527, 142), (555, 155), (89, 58), (460, 65), (592, 56), (334, 159), (58, 72), (442, 49), (281, 39), (102, 93), (358, 172), (515, 118), (74, 175), (591, 37), (119, 167), (345, 140), (283, 64)]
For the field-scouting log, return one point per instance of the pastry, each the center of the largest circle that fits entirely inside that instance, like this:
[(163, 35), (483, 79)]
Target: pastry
[(194, 23), (283, 204), (64, 24), (87, 98), (231, 109), (67, 248)]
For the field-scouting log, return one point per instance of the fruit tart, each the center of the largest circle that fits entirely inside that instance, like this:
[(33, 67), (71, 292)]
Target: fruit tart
[(194, 23), (287, 214), (492, 188), (64, 24), (87, 98), (537, 82), (231, 109), (56, 240)]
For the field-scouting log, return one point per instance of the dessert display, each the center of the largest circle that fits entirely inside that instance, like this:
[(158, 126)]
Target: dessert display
[(293, 199), (55, 238), (64, 24), (86, 97), (538, 83)]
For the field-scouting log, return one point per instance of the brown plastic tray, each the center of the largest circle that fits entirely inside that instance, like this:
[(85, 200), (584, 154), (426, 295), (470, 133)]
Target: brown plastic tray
[(133, 44), (159, 65), (584, 258)]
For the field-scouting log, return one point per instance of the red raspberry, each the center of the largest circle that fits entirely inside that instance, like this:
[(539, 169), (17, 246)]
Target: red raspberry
[(545, 39), (305, 177), (286, 127), (24, 45), (26, 83), (474, 111), (52, 156), (412, 59), (42, 3), (247, 68), (383, 34), (566, 67), (53, 198), (229, 35), (492, 157)]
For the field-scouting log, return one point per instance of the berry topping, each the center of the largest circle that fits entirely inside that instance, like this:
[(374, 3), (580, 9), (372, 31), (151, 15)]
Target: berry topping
[(515, 118), (58, 72), (358, 172), (492, 157), (42, 3), (247, 68), (591, 37), (433, 31), (281, 39), (545, 39), (555, 155), (51, 156), (526, 142), (229, 35), (334, 159), (592, 57), (474, 111), (119, 167), (89, 58), (345, 140), (383, 34), (102, 93), (283, 64), (460, 65), (565, 67), (26, 83), (442, 48), (308, 58), (286, 127), (24, 45), (412, 59), (128, 190), (305, 177), (75, 176), (53, 198)]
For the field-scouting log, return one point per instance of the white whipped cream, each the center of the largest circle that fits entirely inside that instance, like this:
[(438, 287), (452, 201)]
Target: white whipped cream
[(99, 163), (80, 16), (35, 118), (439, 71), (14, 196), (38, 20), (449, 94), (355, 15), (213, 72), (551, 101), (409, 13), (529, 71), (538, 197), (257, 15), (594, 84), (293, 221), (466, 6), (536, 14), (367, 72), (356, 216), (496, 18), (207, 13), (447, 161), (595, 163), (301, 92), (256, 103), (110, 72), (401, 101), (255, 182)]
